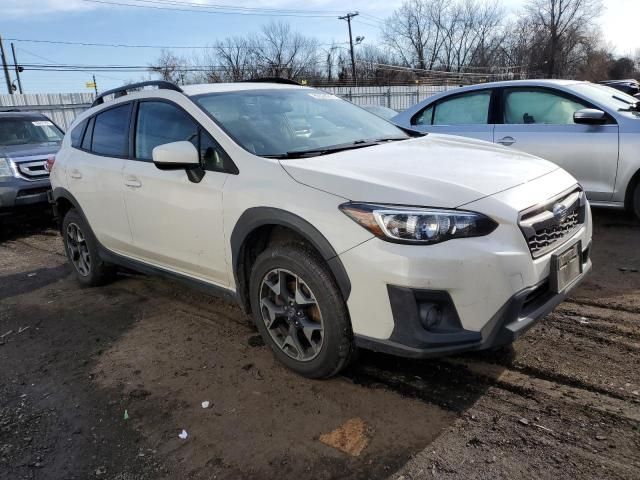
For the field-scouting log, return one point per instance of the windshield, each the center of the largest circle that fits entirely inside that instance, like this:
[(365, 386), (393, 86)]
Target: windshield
[(25, 131), (605, 96), (278, 122)]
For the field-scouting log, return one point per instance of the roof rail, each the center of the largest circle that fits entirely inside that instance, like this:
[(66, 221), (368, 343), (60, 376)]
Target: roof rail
[(286, 81), (122, 91)]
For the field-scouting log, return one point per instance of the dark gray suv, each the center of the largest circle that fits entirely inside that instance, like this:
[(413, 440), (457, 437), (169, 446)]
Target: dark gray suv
[(27, 139)]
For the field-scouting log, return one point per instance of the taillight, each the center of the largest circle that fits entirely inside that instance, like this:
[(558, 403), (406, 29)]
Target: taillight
[(51, 159)]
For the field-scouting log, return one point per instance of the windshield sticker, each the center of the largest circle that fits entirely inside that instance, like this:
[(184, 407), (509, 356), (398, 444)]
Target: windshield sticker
[(323, 96), (42, 123)]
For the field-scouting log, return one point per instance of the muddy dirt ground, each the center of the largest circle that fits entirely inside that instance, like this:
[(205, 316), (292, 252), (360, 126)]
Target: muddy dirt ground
[(563, 403)]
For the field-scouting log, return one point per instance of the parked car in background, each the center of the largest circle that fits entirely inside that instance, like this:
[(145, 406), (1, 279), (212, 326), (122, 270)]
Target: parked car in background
[(630, 87), (27, 140), (383, 112), (332, 227), (590, 130)]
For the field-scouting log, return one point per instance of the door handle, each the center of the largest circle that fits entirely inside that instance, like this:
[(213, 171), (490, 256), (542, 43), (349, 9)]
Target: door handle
[(75, 173), (506, 141), (132, 182)]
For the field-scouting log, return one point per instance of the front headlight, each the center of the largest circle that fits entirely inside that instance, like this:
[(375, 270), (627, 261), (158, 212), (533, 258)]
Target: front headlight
[(416, 225), (5, 168)]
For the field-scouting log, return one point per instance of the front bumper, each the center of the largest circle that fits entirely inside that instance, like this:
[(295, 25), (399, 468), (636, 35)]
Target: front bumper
[(489, 281), (521, 312), (19, 195)]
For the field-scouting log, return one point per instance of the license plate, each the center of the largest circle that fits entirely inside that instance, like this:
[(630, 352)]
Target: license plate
[(566, 267)]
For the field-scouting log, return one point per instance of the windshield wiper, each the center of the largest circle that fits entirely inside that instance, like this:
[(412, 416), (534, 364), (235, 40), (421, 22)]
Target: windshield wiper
[(314, 152), (633, 107)]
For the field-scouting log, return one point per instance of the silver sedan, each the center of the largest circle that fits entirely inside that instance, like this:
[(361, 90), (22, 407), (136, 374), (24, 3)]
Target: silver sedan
[(590, 130)]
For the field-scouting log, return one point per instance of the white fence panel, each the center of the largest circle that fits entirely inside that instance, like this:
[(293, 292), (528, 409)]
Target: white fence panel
[(398, 97), (62, 108)]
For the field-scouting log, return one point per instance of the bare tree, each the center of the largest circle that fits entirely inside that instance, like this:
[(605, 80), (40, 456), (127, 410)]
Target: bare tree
[(236, 59), (170, 67), (279, 52), (443, 34), (562, 26), (413, 34)]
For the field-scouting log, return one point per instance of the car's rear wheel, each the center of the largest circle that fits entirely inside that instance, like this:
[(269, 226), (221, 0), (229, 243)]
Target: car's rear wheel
[(81, 248), (300, 312)]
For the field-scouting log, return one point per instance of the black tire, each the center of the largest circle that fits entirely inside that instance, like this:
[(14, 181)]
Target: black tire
[(635, 201), (94, 271), (337, 347)]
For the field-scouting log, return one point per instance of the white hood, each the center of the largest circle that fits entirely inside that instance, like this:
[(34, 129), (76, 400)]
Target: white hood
[(436, 170)]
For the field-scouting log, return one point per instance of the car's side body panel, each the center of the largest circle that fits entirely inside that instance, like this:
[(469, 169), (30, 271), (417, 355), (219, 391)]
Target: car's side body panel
[(603, 158)]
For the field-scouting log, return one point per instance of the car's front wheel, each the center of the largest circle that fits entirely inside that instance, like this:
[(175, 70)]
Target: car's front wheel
[(81, 248), (300, 312), (635, 201)]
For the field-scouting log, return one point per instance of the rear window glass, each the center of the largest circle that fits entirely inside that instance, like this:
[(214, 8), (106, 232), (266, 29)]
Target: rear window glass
[(27, 131), (111, 132)]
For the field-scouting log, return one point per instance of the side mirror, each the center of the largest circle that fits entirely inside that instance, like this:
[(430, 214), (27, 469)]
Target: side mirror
[(179, 156), (590, 116)]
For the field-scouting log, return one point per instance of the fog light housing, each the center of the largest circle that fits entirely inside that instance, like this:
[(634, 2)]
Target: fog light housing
[(430, 315)]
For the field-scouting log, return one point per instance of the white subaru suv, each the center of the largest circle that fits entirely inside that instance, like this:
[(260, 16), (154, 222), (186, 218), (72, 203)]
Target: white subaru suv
[(332, 227)]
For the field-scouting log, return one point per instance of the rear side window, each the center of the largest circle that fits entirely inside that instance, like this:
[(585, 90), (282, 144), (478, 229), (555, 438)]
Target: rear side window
[(111, 132), (86, 141), (159, 123), (76, 134), (467, 109)]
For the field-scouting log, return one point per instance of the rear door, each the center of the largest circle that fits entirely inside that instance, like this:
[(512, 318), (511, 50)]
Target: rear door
[(539, 121), (176, 224), (466, 114), (94, 175)]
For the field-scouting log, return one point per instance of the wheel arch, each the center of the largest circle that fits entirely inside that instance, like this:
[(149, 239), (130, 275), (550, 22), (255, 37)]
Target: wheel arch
[(253, 230), (63, 201), (631, 186)]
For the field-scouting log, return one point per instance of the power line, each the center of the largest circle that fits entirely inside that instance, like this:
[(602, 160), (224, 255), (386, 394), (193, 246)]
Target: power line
[(187, 8), (236, 7), (168, 47), (56, 63)]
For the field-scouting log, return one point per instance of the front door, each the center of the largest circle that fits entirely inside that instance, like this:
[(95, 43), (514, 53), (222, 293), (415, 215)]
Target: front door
[(540, 122), (176, 224)]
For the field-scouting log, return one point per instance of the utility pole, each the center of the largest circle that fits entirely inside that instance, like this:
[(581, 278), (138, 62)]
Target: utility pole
[(348, 18), (7, 77), (15, 65), (95, 85)]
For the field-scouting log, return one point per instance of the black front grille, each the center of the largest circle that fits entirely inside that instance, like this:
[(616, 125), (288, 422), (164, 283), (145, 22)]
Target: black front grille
[(549, 225)]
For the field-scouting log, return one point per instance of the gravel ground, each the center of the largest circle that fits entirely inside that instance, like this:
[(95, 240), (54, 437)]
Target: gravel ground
[(98, 383)]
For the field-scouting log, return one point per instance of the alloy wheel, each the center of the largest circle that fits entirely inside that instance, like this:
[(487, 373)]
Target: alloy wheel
[(78, 249), (291, 314)]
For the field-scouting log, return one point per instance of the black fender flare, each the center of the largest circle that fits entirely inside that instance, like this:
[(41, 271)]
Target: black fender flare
[(61, 192), (257, 217)]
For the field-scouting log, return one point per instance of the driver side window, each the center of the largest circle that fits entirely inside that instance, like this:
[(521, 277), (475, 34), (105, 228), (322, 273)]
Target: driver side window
[(539, 107), (161, 122)]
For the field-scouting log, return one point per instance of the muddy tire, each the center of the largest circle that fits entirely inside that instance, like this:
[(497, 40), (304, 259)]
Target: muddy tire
[(81, 248), (300, 312)]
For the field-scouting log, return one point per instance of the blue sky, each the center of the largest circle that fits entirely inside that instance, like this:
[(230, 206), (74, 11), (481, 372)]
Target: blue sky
[(84, 21)]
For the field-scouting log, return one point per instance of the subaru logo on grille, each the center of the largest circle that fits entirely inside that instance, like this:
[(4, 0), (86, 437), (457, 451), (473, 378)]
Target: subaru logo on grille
[(559, 212)]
